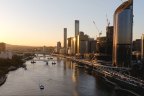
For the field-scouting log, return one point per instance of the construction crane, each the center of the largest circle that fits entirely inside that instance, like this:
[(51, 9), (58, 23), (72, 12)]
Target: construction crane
[(122, 1), (108, 22), (100, 33)]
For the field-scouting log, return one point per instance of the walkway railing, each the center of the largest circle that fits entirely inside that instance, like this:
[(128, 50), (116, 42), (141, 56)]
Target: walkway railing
[(115, 72)]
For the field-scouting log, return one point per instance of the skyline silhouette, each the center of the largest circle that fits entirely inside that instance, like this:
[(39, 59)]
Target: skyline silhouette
[(41, 22)]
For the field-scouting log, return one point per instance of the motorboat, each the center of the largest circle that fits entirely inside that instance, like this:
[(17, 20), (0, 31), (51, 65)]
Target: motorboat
[(51, 57), (53, 62), (47, 63), (33, 62), (41, 87)]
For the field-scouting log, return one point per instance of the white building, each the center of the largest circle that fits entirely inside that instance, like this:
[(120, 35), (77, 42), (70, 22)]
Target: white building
[(6, 55)]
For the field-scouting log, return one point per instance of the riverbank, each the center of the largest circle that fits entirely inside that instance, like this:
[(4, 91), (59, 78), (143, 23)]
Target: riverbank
[(62, 79), (3, 79), (7, 65), (110, 73)]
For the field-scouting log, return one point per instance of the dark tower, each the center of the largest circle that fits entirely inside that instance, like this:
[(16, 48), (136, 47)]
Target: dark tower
[(122, 38), (65, 40)]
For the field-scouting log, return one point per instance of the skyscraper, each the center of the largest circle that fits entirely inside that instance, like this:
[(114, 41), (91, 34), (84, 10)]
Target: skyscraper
[(109, 37), (82, 43), (122, 39), (76, 34), (58, 47), (76, 27), (65, 40), (142, 47)]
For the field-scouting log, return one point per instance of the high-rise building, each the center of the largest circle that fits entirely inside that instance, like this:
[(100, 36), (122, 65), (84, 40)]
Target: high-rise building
[(82, 43), (65, 40), (122, 39), (109, 36), (142, 47), (71, 45), (2, 47), (101, 45), (58, 47), (137, 45), (76, 34), (91, 45), (76, 27)]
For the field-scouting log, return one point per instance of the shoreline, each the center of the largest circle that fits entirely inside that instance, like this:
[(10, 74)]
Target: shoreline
[(3, 79), (109, 76)]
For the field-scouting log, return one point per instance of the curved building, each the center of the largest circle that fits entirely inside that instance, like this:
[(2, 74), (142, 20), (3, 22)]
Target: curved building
[(142, 47), (122, 38)]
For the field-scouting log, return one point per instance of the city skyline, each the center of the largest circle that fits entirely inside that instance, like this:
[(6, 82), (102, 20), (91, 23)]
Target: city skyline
[(37, 23)]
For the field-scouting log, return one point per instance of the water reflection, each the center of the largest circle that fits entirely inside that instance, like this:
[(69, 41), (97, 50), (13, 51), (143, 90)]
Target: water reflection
[(62, 79)]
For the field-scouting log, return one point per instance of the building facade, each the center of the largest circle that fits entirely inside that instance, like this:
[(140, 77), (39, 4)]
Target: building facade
[(101, 45), (142, 47), (122, 39), (58, 47), (76, 27), (4, 54), (109, 36), (2, 47), (65, 40), (91, 45), (137, 45), (82, 43), (71, 45), (76, 34)]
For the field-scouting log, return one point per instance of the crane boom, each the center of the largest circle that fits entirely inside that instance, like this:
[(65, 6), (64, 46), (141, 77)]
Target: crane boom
[(100, 33)]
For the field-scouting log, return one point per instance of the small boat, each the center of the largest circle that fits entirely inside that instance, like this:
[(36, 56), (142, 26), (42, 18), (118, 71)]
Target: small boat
[(47, 63), (41, 87), (33, 62), (53, 63), (51, 58)]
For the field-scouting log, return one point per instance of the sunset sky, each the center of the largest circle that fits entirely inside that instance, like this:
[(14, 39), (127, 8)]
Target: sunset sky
[(41, 22)]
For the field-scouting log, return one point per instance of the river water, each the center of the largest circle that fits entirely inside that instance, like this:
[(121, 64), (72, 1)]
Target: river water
[(61, 79)]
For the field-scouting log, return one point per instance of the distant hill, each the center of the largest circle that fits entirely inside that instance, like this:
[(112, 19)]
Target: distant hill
[(14, 47), (21, 48)]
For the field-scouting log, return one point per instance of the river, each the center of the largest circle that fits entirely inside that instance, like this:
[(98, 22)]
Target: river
[(61, 79)]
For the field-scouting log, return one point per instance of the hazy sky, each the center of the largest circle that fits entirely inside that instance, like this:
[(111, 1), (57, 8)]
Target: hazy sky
[(41, 22)]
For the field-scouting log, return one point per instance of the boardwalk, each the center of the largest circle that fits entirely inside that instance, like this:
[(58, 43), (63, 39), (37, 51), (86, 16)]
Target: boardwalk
[(110, 71)]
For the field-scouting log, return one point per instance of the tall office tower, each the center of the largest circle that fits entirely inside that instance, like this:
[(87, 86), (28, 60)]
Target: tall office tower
[(65, 40), (76, 34), (109, 37), (76, 27), (122, 39), (142, 47)]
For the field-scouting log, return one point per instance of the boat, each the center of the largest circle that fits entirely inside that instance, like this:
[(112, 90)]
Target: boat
[(53, 63), (33, 62), (47, 63), (51, 57), (41, 87)]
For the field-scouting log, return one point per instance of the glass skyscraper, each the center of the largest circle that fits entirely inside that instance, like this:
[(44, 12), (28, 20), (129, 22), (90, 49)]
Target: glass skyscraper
[(122, 38)]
